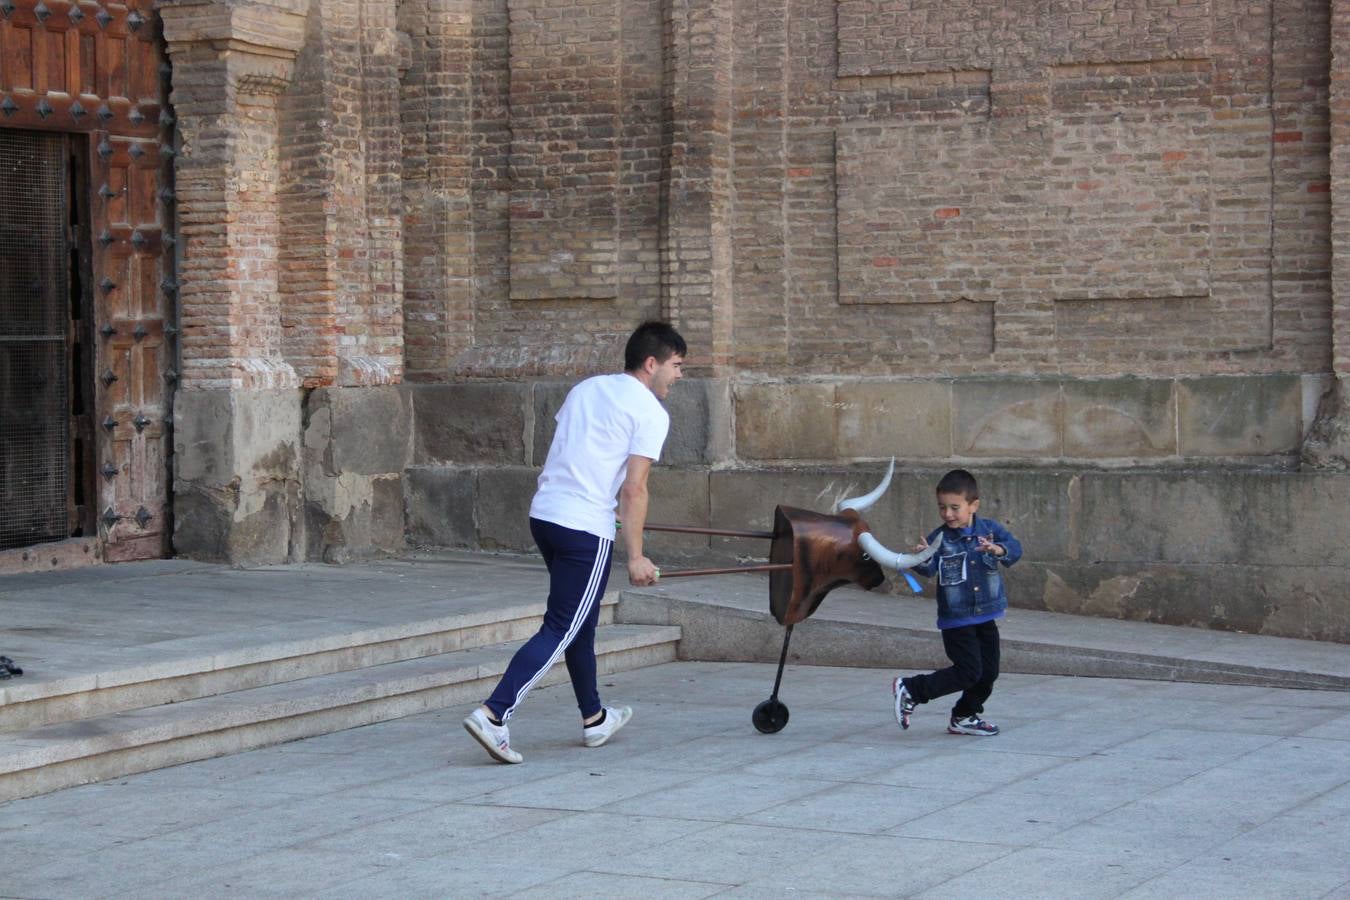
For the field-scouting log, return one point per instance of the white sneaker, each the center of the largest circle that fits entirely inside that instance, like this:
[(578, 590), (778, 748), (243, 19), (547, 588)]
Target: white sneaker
[(496, 739), (972, 725), (904, 703), (615, 718)]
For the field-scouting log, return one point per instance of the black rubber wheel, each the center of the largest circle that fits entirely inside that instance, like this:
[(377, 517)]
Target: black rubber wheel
[(770, 717)]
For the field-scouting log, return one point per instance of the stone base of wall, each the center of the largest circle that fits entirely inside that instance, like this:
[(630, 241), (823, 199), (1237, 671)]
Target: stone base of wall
[(1238, 549), (357, 443), (284, 476), (1216, 533), (236, 485), (1173, 500), (1253, 419), (1328, 442)]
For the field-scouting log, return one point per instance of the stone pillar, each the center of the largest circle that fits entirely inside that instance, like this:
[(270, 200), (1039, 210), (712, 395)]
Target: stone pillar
[(696, 240), (1328, 443), (238, 409)]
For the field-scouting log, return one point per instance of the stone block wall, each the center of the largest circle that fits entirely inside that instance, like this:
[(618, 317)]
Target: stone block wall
[(1235, 546), (237, 479), (287, 476), (356, 445), (1035, 421), (478, 448)]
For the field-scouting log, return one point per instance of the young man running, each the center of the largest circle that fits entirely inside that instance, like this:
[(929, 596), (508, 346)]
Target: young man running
[(610, 430)]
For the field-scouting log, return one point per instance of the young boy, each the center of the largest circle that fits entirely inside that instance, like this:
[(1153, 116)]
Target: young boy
[(970, 598)]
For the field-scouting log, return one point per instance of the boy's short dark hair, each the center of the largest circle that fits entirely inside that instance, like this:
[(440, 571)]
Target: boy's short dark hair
[(656, 339), (959, 481)]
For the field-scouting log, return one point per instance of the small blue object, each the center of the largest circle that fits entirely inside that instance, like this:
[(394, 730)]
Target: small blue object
[(913, 583)]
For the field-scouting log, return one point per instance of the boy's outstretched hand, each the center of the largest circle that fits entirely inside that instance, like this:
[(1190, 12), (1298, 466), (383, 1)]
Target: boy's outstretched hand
[(988, 546)]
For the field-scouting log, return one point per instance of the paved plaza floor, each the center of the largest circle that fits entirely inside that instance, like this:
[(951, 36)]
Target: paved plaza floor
[(1096, 788)]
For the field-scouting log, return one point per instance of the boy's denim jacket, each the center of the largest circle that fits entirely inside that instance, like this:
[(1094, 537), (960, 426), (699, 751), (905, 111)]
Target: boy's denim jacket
[(970, 588)]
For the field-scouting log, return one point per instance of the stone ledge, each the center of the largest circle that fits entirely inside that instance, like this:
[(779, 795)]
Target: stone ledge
[(726, 618)]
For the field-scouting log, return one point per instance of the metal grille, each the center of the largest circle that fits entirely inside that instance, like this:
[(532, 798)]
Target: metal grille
[(34, 319)]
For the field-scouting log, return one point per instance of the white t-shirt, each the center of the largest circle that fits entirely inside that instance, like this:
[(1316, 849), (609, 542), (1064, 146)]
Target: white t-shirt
[(603, 421)]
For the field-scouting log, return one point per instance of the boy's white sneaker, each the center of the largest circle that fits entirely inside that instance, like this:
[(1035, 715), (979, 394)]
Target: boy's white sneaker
[(972, 725), (615, 718), (496, 739), (904, 703)]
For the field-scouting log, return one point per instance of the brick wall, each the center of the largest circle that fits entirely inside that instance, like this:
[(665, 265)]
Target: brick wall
[(880, 187), (873, 188), (1339, 183), (533, 177), (1032, 194)]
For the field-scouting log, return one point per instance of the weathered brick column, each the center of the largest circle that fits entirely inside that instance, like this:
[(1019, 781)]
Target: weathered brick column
[(237, 412), (696, 258), (1328, 445), (438, 241), (339, 194)]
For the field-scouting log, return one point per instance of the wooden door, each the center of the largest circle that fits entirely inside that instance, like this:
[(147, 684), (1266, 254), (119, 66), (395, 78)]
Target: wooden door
[(98, 71)]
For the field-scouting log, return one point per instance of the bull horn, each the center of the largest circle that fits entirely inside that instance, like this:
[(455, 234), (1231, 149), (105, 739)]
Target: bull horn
[(859, 504), (873, 548)]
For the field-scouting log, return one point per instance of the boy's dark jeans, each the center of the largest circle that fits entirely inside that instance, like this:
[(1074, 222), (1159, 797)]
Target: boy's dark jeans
[(973, 650)]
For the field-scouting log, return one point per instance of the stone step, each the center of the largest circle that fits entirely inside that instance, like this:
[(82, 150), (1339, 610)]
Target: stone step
[(55, 756), (254, 657)]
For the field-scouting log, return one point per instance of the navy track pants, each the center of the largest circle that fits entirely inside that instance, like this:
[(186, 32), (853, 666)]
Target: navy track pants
[(578, 569)]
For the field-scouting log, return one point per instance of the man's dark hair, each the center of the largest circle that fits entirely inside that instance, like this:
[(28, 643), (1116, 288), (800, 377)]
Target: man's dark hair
[(657, 339), (959, 481)]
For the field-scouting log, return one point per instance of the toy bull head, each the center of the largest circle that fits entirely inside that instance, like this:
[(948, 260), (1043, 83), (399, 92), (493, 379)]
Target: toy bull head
[(827, 551)]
